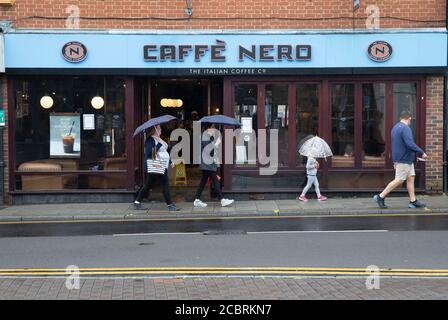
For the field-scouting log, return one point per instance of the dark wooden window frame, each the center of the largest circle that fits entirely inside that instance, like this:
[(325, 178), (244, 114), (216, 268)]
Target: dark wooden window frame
[(325, 124)]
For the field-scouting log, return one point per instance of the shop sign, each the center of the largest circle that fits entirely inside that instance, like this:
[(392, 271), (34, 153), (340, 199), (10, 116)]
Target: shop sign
[(380, 51), (74, 51), (260, 53)]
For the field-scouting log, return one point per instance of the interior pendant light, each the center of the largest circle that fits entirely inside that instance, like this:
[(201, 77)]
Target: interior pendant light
[(46, 102), (97, 102)]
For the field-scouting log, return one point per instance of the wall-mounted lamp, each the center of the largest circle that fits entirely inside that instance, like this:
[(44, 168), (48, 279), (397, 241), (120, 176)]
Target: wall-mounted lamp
[(46, 102), (189, 9), (97, 102)]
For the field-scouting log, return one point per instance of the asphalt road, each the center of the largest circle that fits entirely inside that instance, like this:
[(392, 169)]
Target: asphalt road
[(411, 241), (392, 249), (229, 225)]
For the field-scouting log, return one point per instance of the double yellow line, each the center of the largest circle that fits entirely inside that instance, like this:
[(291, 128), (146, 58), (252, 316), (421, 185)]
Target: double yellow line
[(219, 271)]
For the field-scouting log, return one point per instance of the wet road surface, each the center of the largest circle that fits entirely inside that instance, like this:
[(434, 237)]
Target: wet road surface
[(228, 225)]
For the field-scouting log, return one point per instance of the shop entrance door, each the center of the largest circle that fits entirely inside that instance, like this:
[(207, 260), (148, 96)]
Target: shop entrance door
[(188, 100)]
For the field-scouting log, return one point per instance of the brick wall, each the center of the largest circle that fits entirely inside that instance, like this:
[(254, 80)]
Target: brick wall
[(227, 14), (434, 133), (3, 81)]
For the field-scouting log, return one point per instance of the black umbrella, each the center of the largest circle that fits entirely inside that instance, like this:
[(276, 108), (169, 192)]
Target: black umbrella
[(221, 119), (153, 122)]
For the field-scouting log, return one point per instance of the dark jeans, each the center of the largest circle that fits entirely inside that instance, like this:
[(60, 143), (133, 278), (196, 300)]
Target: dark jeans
[(164, 182), (212, 175)]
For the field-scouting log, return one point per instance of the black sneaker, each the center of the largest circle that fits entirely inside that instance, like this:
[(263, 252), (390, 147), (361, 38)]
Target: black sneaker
[(172, 207), (139, 206), (416, 204), (380, 201)]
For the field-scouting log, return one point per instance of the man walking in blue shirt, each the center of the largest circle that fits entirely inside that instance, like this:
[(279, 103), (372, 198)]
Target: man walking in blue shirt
[(403, 156)]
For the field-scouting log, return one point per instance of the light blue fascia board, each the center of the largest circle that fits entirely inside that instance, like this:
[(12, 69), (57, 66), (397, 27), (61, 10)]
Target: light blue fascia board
[(334, 50)]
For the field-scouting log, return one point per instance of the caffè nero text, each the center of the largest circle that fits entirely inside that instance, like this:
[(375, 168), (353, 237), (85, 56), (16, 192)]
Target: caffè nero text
[(261, 53)]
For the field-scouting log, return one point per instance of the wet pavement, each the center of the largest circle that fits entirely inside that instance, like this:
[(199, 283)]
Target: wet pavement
[(276, 208)]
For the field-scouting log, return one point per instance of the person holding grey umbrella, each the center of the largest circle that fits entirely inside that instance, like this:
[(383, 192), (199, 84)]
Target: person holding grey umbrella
[(155, 144), (156, 152), (209, 163)]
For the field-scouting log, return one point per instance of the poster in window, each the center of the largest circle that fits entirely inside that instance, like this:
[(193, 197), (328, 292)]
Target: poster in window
[(117, 121), (65, 135), (246, 124)]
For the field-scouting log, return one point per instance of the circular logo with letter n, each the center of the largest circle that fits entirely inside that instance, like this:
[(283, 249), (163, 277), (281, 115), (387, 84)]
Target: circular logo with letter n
[(74, 51), (380, 51)]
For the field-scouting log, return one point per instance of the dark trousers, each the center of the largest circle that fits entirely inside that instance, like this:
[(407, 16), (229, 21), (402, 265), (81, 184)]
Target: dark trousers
[(205, 176), (150, 179)]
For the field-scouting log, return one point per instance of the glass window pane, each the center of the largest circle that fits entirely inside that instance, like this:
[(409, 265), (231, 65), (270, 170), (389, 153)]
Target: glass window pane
[(405, 98), (374, 124), (343, 124), (245, 110), (48, 109), (307, 119), (276, 118)]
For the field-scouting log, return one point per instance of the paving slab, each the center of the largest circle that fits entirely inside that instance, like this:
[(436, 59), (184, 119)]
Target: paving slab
[(289, 207)]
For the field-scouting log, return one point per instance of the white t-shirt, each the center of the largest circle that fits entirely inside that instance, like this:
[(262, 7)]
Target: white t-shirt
[(163, 154)]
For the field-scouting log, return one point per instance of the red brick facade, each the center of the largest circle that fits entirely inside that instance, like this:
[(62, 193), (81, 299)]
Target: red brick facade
[(3, 81), (434, 133), (227, 14)]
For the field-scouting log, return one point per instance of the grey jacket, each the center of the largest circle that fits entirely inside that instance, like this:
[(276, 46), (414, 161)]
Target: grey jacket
[(311, 167), (205, 166)]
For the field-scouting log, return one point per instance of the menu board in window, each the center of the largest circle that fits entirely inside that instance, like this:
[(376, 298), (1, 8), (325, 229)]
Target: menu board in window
[(65, 135)]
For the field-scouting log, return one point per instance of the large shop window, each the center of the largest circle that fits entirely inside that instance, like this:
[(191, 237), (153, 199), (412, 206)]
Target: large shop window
[(405, 98), (245, 110), (343, 124), (354, 115), (276, 118), (374, 125), (70, 133), (307, 115)]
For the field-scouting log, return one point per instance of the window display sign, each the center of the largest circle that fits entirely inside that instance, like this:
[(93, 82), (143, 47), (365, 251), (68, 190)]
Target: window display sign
[(246, 124), (65, 135), (88, 121)]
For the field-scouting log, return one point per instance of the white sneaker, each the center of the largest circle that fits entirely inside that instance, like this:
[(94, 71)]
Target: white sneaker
[(199, 204), (226, 202)]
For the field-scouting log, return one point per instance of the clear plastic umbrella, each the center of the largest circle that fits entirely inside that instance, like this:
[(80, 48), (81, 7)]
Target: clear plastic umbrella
[(315, 147)]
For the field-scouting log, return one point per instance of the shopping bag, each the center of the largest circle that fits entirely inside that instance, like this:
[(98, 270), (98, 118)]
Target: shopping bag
[(156, 165)]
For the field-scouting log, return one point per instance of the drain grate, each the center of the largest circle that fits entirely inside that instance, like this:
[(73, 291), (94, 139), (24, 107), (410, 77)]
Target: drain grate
[(223, 232), (146, 244)]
